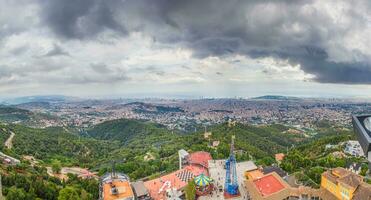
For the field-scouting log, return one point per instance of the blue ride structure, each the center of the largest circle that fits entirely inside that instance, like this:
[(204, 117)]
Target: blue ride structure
[(231, 183)]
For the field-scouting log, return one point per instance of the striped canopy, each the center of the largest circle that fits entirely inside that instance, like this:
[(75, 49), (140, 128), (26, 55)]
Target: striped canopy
[(202, 180)]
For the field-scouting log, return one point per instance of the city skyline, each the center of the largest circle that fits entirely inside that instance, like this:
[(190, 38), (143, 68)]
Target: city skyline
[(185, 49)]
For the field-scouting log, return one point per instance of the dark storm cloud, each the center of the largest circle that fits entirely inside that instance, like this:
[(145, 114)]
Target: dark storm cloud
[(215, 46), (80, 18), (291, 30), (315, 61)]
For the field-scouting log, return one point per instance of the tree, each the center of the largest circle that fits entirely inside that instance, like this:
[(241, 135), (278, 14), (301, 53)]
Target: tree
[(190, 190), (364, 169), (56, 166), (16, 194), (69, 193), (85, 195), (266, 161), (315, 173)]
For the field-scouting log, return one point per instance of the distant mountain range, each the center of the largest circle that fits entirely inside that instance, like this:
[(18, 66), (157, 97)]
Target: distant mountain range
[(30, 99), (276, 97)]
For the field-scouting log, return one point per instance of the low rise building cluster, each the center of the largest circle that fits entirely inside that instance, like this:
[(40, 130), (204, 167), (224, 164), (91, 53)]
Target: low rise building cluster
[(254, 182)]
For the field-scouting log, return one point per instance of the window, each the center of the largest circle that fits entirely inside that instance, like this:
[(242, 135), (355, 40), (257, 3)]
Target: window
[(344, 193)]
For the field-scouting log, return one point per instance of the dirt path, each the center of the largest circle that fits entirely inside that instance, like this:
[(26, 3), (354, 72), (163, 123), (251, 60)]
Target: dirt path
[(9, 141)]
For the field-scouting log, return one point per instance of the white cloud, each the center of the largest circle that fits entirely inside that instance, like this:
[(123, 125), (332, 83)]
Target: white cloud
[(154, 57)]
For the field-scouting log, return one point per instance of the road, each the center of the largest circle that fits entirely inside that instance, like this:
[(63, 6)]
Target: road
[(9, 141)]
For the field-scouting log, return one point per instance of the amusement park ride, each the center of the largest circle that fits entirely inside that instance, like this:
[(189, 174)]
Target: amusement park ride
[(231, 183)]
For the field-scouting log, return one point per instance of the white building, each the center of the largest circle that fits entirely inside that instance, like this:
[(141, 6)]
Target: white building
[(353, 148), (183, 154)]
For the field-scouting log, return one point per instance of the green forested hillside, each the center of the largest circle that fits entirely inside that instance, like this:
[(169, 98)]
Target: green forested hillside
[(307, 161), (22, 116), (143, 149), (25, 182), (257, 141), (11, 114), (126, 130), (141, 139), (55, 143)]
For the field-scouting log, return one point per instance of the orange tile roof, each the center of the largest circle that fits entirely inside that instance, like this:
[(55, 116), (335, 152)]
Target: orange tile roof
[(196, 170), (178, 180), (279, 156), (255, 174), (268, 185), (123, 187), (200, 157)]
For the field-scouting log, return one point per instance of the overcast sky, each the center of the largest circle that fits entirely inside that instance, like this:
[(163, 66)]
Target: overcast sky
[(185, 48)]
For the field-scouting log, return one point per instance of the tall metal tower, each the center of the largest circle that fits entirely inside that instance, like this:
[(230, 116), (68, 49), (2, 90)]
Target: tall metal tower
[(231, 184)]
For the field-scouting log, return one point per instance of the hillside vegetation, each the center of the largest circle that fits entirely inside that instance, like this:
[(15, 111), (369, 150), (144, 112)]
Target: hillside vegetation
[(11, 114), (307, 161), (126, 130), (145, 150), (55, 143), (22, 116)]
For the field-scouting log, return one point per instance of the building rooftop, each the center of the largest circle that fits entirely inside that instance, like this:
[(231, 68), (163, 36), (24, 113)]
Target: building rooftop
[(352, 180), (273, 187), (140, 189), (116, 187), (117, 176), (254, 174), (201, 158), (278, 170), (340, 172), (363, 192), (183, 153), (268, 185), (249, 166), (341, 175), (179, 179), (346, 178), (279, 156)]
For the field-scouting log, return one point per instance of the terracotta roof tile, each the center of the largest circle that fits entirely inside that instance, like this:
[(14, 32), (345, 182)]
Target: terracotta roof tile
[(201, 158)]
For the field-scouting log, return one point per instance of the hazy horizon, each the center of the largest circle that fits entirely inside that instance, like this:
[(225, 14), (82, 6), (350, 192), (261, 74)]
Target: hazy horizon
[(51, 97)]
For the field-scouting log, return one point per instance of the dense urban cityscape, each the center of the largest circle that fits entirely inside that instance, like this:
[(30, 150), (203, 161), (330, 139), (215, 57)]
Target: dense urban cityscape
[(186, 114)]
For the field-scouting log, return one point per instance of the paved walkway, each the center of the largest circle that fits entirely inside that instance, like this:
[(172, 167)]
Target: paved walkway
[(9, 142), (217, 173)]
